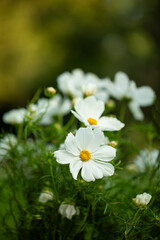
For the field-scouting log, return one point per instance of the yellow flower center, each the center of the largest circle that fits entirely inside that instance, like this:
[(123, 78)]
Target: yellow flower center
[(92, 121), (85, 155)]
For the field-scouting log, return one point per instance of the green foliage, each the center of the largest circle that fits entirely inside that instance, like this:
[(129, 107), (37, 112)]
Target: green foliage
[(106, 207)]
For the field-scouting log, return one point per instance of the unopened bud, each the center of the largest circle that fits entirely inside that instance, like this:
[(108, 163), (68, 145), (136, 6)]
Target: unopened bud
[(57, 126), (50, 92), (100, 187), (131, 167), (113, 144), (110, 104)]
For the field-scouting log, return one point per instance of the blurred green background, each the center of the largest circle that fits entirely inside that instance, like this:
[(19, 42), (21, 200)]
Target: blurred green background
[(42, 38)]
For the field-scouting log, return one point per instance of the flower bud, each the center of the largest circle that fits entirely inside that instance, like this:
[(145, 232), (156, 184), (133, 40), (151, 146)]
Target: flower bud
[(113, 144), (50, 92), (110, 104)]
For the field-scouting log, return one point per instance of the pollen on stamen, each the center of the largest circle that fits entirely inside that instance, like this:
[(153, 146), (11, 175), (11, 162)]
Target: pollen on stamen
[(85, 155), (92, 121)]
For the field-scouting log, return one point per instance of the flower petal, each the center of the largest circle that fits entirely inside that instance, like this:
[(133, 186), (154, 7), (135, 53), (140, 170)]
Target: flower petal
[(70, 211), (89, 107), (110, 124), (136, 111), (71, 145), (83, 138), (96, 171), (122, 82), (86, 172), (75, 167), (96, 140), (104, 153), (80, 118), (107, 168), (144, 96), (63, 157)]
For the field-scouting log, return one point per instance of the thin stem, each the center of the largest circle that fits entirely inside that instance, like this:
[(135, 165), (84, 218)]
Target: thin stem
[(53, 182), (122, 111), (132, 223), (69, 124)]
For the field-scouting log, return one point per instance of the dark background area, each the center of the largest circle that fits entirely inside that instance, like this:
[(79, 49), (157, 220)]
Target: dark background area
[(41, 39)]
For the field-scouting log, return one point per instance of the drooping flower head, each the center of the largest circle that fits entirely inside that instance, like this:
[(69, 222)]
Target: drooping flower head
[(142, 199), (68, 210), (45, 196), (89, 111), (85, 151)]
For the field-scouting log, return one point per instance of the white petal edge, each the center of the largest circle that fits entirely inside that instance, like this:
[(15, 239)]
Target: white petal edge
[(75, 167), (63, 157), (136, 111), (145, 96), (104, 153), (110, 124), (71, 145)]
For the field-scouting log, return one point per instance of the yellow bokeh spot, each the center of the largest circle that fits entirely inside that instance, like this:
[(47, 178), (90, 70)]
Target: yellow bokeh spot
[(85, 155), (92, 121)]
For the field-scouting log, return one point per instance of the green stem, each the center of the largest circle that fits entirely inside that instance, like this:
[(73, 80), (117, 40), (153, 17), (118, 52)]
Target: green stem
[(53, 182), (133, 223), (20, 131), (69, 124), (122, 111)]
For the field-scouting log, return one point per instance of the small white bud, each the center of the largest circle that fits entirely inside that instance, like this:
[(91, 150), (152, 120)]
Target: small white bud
[(113, 144), (50, 91)]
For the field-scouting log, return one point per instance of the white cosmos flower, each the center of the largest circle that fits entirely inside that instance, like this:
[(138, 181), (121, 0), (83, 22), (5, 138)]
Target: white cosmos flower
[(45, 196), (68, 210), (85, 151), (36, 112), (71, 83), (14, 116), (142, 199), (89, 111), (123, 88), (46, 108), (146, 159), (6, 144), (78, 84)]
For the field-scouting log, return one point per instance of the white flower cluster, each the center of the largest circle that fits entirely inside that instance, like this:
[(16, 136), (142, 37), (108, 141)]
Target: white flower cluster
[(6, 145), (41, 112), (78, 85), (85, 151)]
